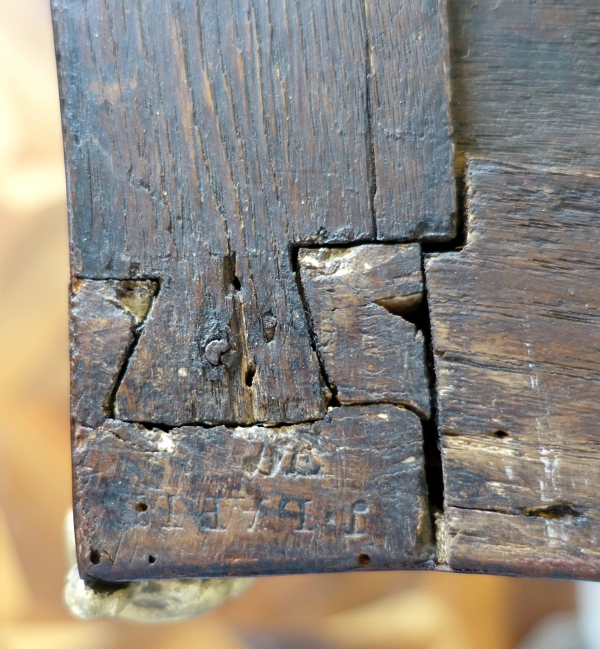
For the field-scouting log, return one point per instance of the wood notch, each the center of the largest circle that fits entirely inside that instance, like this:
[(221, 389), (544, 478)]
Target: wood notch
[(107, 318), (515, 318), (343, 493), (357, 298)]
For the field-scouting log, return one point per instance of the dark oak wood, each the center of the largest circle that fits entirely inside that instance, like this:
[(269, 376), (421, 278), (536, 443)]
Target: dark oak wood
[(205, 143), (106, 317), (408, 61), (204, 139), (198, 502), (357, 297), (515, 322), (526, 81), (250, 184)]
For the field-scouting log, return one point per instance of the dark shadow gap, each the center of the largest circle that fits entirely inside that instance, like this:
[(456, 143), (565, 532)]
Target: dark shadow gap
[(101, 587), (369, 145), (432, 442)]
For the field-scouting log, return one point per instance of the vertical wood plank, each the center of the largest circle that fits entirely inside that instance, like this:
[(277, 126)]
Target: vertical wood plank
[(409, 91), (526, 81)]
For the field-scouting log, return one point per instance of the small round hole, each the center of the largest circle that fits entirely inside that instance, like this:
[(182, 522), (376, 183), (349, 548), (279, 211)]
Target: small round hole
[(151, 559), (363, 559), (250, 372), (141, 507), (500, 434), (95, 557)]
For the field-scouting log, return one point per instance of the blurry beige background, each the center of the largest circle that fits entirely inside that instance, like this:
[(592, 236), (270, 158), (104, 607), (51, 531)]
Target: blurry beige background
[(354, 611)]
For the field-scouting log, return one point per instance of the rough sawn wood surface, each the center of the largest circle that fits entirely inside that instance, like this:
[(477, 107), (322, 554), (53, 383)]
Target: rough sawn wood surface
[(251, 184), (516, 334)]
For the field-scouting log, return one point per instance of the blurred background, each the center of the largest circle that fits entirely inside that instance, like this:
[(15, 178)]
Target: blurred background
[(353, 611)]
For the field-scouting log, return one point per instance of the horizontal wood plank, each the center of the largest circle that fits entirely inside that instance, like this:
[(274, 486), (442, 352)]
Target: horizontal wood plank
[(515, 318), (344, 493)]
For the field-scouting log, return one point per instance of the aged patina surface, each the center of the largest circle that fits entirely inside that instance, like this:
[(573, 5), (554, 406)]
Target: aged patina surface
[(286, 356)]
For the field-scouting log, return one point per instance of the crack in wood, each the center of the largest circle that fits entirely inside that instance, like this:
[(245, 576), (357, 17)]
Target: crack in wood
[(110, 407), (268, 127)]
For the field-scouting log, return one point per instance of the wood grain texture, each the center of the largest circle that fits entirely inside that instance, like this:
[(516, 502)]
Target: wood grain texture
[(203, 140), (409, 79), (340, 494), (357, 297), (515, 321), (526, 81), (106, 317)]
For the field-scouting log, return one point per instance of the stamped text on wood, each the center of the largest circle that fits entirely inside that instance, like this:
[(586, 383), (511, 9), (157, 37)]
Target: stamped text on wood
[(206, 143), (250, 184)]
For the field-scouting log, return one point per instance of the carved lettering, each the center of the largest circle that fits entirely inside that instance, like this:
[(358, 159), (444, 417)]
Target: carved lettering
[(248, 516), (291, 459), (170, 520), (358, 525), (295, 508), (219, 513), (288, 461), (265, 465), (210, 514)]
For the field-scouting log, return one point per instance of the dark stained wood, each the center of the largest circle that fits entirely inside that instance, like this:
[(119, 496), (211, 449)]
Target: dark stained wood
[(409, 79), (356, 297), (203, 139), (205, 143), (516, 335), (105, 320), (522, 511), (344, 493), (526, 81), (234, 170)]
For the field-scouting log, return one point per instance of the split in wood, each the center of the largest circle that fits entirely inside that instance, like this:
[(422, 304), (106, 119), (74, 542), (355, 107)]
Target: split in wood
[(327, 124)]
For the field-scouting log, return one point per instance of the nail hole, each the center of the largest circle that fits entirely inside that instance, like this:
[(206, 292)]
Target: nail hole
[(235, 282), (553, 511), (500, 434), (363, 559), (269, 322), (151, 559), (141, 507), (250, 372), (95, 557)]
